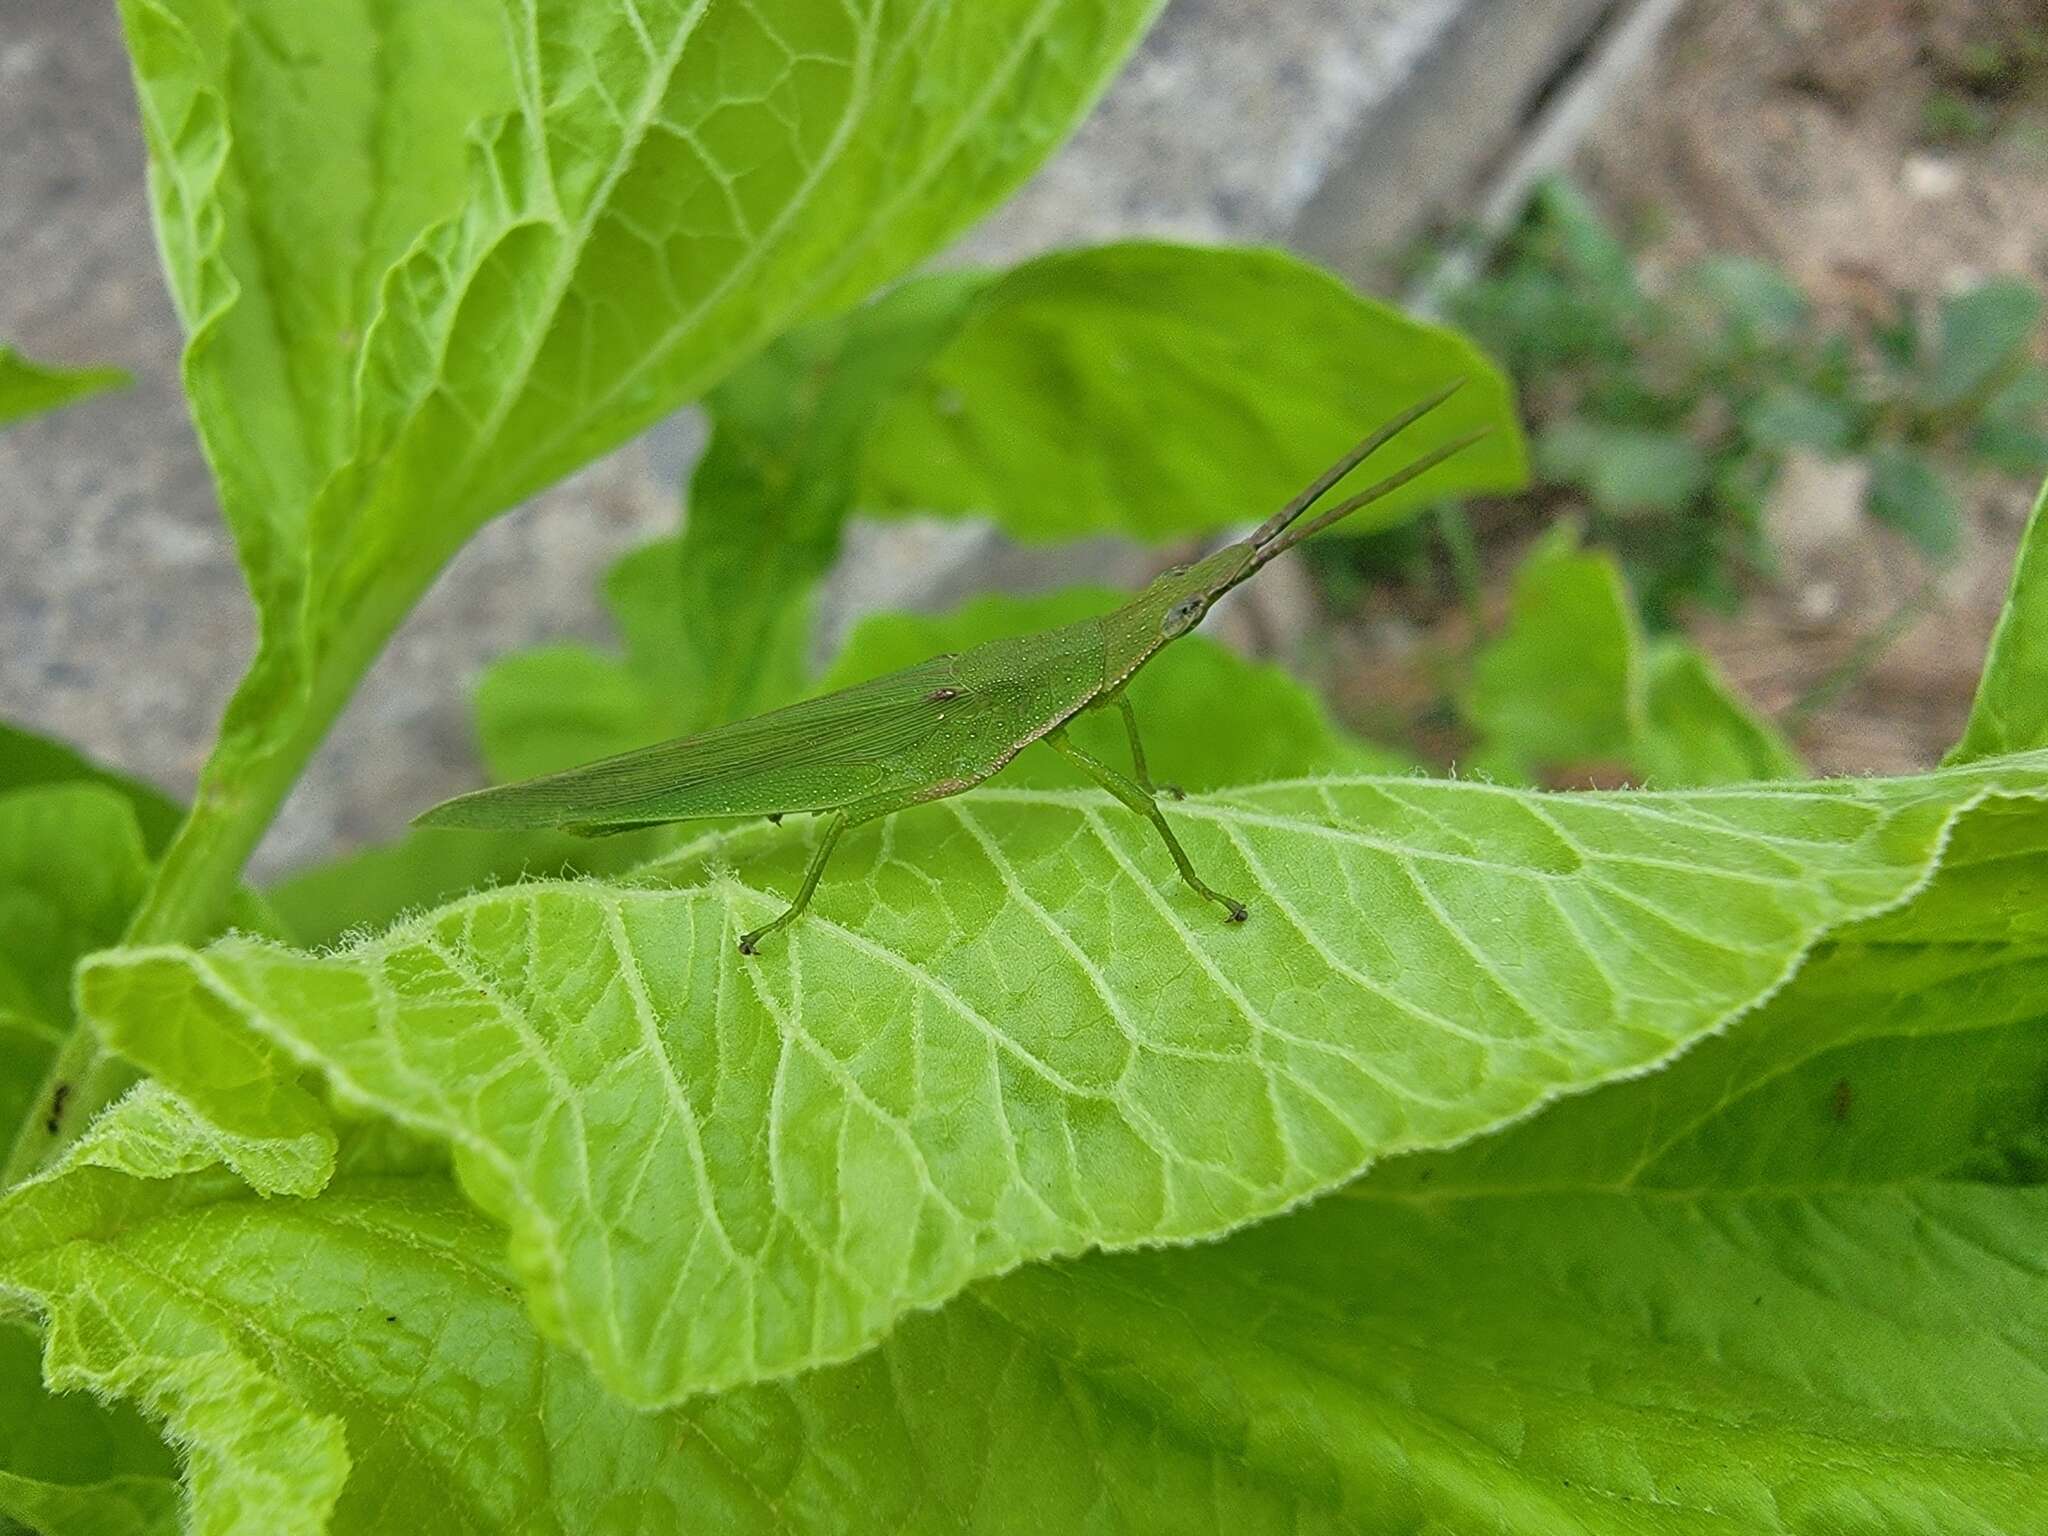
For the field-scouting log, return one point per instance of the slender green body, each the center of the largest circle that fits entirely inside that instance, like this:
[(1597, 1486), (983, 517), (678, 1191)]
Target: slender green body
[(927, 731)]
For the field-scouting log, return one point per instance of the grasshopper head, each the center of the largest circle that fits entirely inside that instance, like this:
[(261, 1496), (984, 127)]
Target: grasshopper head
[(1172, 605), (1177, 601)]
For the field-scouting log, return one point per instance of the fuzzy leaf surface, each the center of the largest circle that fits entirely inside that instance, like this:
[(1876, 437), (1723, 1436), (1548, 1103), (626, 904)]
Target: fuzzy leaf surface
[(69, 1467), (1004, 1033), (1779, 1287)]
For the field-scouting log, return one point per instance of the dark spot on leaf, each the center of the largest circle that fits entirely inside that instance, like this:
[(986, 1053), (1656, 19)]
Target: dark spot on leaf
[(942, 695), (58, 1096), (390, 1317), (1840, 1099)]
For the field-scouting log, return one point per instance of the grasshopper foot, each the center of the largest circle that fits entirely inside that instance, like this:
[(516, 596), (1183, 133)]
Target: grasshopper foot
[(748, 943), (1237, 910), (1174, 790)]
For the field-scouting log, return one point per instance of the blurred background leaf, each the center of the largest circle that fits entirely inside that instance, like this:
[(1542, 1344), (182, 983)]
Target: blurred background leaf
[(29, 388)]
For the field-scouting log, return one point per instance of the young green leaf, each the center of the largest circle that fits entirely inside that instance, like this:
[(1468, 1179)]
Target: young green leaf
[(2011, 711), (1572, 686), (1161, 389), (1560, 684), (1696, 730), (1002, 1036), (1624, 469), (1908, 491), (1982, 332), (29, 388), (27, 759)]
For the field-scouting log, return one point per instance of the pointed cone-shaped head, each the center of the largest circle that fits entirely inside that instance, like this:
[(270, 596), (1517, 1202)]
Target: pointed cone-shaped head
[(1179, 599)]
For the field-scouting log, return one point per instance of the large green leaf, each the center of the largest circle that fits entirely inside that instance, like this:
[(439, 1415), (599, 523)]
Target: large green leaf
[(1005, 1033), (1779, 1287), (29, 388), (2011, 712), (1162, 389), (1572, 686)]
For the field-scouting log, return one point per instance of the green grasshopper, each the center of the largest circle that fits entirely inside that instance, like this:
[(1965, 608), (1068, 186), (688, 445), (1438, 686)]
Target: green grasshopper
[(934, 729)]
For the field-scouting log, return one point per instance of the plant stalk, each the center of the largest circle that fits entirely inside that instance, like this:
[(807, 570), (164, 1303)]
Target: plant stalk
[(190, 893)]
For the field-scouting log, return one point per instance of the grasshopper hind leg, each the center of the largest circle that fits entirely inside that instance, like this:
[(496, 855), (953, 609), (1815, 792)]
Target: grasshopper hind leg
[(847, 816), (750, 943)]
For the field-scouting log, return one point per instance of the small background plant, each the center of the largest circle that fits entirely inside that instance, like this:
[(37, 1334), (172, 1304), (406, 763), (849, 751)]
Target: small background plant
[(1671, 414)]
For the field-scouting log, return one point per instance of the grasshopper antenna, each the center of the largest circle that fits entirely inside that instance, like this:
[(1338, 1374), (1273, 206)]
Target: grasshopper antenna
[(1385, 488), (1273, 525)]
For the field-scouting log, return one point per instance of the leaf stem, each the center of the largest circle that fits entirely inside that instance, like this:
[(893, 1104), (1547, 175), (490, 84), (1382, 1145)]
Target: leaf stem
[(189, 896)]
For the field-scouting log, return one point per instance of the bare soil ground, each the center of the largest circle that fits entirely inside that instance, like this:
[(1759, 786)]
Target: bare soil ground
[(1857, 145)]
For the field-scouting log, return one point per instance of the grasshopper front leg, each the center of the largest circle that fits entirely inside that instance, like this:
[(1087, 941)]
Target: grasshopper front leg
[(1123, 704), (1143, 803)]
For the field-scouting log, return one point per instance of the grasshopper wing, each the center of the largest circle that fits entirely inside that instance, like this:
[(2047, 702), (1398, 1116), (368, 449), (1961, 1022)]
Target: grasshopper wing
[(813, 756)]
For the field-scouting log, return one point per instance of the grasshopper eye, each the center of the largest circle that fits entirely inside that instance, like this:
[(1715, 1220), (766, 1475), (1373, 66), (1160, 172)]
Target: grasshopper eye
[(1181, 617)]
